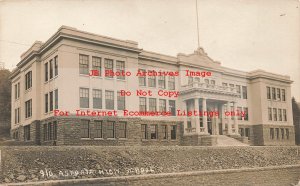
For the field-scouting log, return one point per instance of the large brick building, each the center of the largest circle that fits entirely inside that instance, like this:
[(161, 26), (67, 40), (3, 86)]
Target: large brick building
[(52, 87)]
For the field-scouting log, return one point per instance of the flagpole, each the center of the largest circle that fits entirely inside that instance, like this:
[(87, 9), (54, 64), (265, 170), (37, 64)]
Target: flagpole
[(197, 24)]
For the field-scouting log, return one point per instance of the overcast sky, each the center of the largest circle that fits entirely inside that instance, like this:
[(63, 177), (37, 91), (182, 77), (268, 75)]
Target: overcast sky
[(241, 34)]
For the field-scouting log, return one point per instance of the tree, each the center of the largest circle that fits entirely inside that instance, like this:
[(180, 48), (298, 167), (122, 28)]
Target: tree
[(5, 95)]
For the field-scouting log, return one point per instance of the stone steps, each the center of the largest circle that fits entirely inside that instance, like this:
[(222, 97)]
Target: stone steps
[(223, 140)]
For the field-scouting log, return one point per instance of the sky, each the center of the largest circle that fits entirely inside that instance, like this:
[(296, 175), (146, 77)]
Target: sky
[(241, 34)]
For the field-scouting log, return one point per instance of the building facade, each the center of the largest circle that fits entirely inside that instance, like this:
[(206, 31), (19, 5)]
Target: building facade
[(80, 88)]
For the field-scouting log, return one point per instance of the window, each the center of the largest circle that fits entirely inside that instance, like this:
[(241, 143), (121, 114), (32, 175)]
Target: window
[(28, 108), (50, 134), (17, 115), (56, 99), (55, 130), (144, 131), (172, 106), (121, 101), (162, 105), (152, 81), (122, 129), (246, 113), (45, 132), (206, 81), (97, 99), (283, 94), (224, 84), (164, 131), (284, 115), (244, 89), (84, 97), (287, 133), (142, 79), (108, 67), (85, 128), (171, 83), (213, 82), (241, 131), (275, 114), (121, 69), (98, 129), (278, 94), (51, 100), (46, 71), (109, 100), (238, 90), (173, 132), (46, 103), (51, 68), (110, 130), (273, 93), (271, 133), (96, 65), (17, 90), (277, 133), (231, 87), (55, 65), (268, 93), (83, 64), (282, 133), (240, 110), (153, 131), (27, 132), (162, 82), (142, 104), (152, 104), (190, 80), (247, 132), (280, 114), (28, 80), (270, 114), (189, 124)]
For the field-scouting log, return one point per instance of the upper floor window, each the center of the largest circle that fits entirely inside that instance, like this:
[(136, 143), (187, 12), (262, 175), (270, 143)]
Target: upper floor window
[(162, 82), (224, 84), (246, 113), (51, 68), (213, 82), (17, 90), (97, 99), (142, 79), (142, 104), (121, 101), (96, 64), (284, 115), (56, 99), (171, 82), (46, 103), (108, 67), (120, 67), (238, 90), (279, 114), (268, 92), (162, 105), (244, 89), (206, 81), (278, 94), (46, 71), (51, 100), (83, 64), (28, 108), (190, 80), (275, 114), (273, 93), (55, 65), (152, 104), (172, 107), (109, 100), (152, 81), (283, 94), (28, 80), (270, 114), (239, 110), (84, 97), (17, 115)]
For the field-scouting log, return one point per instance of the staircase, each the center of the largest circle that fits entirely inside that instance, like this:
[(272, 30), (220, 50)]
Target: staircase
[(223, 140)]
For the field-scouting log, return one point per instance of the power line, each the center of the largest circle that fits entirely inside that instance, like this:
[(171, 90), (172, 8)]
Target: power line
[(13, 42)]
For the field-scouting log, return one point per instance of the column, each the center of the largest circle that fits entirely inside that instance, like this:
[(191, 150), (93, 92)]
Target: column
[(222, 114), (197, 118), (204, 109), (216, 120), (229, 128), (184, 107), (236, 126)]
